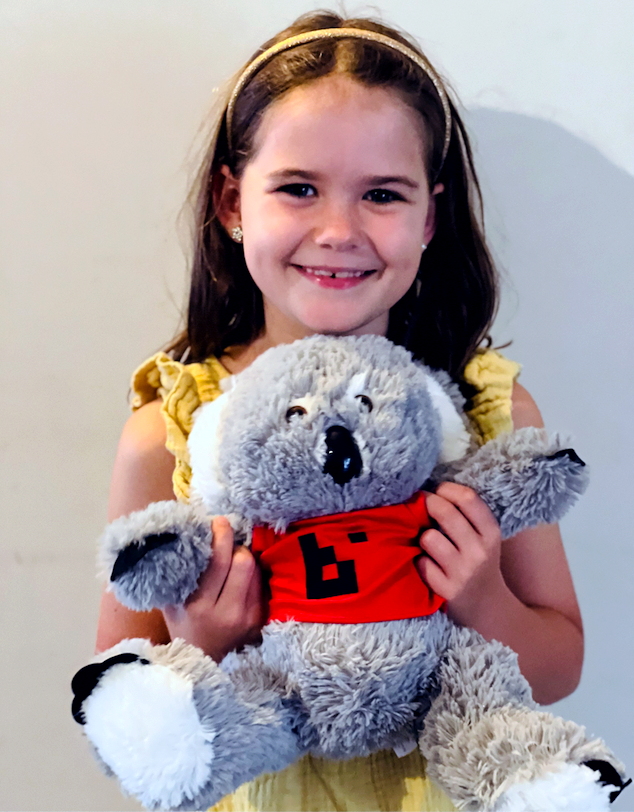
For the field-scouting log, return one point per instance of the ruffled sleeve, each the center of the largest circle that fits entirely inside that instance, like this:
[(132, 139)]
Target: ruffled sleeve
[(182, 388), (492, 375)]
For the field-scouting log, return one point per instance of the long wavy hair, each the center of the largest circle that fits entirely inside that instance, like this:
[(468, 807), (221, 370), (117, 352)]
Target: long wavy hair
[(449, 309)]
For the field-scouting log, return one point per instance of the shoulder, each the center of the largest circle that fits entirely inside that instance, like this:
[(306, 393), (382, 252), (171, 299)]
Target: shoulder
[(524, 410), (143, 466), (144, 429), (491, 376)]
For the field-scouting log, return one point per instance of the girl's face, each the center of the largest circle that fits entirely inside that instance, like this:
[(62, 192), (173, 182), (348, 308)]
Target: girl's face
[(334, 208)]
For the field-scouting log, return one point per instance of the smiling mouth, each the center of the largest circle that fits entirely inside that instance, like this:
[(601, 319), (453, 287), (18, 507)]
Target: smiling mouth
[(335, 273)]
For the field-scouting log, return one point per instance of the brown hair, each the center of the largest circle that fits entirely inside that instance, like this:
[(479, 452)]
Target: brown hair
[(447, 312)]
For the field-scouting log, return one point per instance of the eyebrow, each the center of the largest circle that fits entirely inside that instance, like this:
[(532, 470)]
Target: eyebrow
[(372, 180)]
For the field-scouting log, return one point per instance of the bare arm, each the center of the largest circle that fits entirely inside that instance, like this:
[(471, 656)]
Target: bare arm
[(142, 474), (519, 592), (549, 641), (226, 610)]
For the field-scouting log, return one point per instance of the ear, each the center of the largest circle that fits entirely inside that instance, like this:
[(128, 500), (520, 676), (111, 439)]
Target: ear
[(430, 220), (225, 189), (202, 445), (455, 437)]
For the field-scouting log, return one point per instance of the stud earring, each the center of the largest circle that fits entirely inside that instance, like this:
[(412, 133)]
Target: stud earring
[(424, 246), (236, 234)]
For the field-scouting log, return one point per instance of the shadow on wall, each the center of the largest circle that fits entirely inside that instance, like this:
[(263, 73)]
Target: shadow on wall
[(559, 216), (560, 220)]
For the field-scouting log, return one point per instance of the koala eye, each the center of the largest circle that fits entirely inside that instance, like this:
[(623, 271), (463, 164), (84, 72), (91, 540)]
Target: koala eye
[(294, 411), (365, 402)]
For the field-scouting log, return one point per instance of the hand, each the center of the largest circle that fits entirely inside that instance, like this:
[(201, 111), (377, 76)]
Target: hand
[(461, 560), (227, 609)]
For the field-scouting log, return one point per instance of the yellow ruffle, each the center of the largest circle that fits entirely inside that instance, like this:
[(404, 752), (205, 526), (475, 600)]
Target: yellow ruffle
[(382, 781), (182, 388), (492, 375)]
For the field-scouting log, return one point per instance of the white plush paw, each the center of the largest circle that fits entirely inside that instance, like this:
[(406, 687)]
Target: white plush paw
[(574, 788), (143, 722)]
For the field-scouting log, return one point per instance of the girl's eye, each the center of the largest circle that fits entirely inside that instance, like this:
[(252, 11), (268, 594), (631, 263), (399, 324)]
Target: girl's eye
[(382, 196), (365, 402), (298, 190), (295, 411)]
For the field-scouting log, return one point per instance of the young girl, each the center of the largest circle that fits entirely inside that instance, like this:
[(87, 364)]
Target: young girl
[(339, 196)]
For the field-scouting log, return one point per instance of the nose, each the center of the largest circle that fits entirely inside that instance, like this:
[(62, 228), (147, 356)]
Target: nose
[(343, 460), (338, 226)]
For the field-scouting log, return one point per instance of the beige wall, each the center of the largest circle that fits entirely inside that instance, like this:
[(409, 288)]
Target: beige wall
[(100, 105)]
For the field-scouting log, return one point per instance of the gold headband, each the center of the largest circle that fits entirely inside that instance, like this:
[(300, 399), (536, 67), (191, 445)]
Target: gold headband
[(342, 33)]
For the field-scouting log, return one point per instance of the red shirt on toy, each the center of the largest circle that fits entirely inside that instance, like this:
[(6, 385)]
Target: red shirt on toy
[(353, 567)]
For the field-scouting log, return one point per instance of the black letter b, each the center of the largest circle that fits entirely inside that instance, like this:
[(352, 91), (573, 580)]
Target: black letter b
[(315, 559)]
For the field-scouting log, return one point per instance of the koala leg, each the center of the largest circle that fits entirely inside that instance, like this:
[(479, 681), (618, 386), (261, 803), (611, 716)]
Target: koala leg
[(154, 557), (177, 730), (490, 747), (362, 687), (526, 477)]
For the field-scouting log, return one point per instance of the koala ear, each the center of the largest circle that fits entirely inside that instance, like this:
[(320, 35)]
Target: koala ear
[(356, 385), (203, 445), (455, 437)]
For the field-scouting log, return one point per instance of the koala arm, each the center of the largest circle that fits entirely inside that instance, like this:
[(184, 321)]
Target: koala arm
[(533, 607), (217, 619)]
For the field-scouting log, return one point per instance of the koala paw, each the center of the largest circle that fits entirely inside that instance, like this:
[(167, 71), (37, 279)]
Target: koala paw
[(141, 718), (570, 453), (154, 557), (572, 787), (526, 477)]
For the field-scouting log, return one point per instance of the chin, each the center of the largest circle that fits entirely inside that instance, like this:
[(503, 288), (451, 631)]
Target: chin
[(332, 324)]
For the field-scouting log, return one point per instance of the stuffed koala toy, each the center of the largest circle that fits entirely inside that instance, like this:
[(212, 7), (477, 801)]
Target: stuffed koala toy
[(318, 455)]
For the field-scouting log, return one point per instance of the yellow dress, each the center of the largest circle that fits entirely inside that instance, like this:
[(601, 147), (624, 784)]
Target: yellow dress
[(382, 781)]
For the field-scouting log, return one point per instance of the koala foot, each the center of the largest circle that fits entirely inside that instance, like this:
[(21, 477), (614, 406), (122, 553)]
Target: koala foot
[(87, 678), (154, 557), (177, 730), (489, 747), (608, 777), (574, 786), (142, 720)]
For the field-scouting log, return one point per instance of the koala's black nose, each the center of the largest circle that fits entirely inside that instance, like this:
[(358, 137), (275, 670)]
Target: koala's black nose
[(343, 460)]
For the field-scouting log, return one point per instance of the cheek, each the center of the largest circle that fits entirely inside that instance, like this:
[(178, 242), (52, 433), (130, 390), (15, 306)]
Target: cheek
[(269, 229), (400, 243)]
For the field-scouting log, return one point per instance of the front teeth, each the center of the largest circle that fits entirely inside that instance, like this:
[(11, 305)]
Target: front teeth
[(338, 275)]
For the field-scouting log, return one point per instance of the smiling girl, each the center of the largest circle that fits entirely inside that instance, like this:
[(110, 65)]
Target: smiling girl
[(339, 196)]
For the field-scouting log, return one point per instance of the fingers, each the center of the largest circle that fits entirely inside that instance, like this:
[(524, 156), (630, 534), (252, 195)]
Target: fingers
[(256, 608), (233, 580), (433, 575), (461, 514), (227, 610), (227, 563), (461, 553), (214, 577), (438, 548), (237, 587)]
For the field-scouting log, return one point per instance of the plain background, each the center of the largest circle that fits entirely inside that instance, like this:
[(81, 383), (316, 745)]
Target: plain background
[(100, 107)]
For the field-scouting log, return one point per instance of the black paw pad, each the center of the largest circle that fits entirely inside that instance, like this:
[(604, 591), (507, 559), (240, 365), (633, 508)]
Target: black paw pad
[(86, 679), (568, 452), (130, 556), (609, 777)]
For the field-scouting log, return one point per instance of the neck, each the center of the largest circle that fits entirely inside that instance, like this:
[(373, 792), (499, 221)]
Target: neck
[(284, 331)]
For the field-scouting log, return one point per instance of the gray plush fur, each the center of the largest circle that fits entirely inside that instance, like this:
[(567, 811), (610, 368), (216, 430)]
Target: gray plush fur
[(334, 690), (520, 479), (170, 574), (271, 469)]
